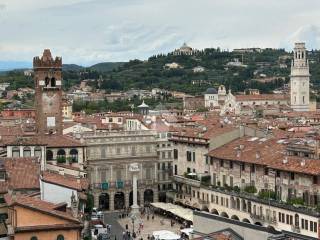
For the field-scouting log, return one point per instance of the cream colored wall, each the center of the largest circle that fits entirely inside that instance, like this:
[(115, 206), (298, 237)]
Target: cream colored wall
[(49, 235)]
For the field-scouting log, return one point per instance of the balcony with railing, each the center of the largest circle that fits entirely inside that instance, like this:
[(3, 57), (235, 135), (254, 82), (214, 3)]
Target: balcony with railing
[(187, 180)]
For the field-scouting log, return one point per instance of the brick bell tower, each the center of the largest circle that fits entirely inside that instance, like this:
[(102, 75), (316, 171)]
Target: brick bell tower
[(48, 93)]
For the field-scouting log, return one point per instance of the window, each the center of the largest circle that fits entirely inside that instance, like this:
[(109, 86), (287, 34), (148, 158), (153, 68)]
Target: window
[(2, 175), (194, 156), (243, 167), (175, 153), (231, 165), (231, 181), (211, 161), (278, 173), (27, 152), (292, 176), (34, 238), (315, 179), (49, 155), (37, 152), (188, 156), (74, 155), (163, 155), (60, 237), (61, 156), (15, 152), (221, 163), (252, 168), (265, 171), (306, 224), (148, 149), (169, 154)]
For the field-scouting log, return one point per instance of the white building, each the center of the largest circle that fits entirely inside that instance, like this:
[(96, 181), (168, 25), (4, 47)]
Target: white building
[(299, 79), (198, 69), (172, 65), (211, 98), (57, 188)]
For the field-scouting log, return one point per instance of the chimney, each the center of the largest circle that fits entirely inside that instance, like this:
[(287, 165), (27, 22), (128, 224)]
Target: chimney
[(258, 155), (303, 162), (285, 160), (238, 153)]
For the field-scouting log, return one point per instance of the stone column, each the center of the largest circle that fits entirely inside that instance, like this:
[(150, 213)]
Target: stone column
[(111, 201), (134, 169), (21, 151), (126, 195), (155, 194), (96, 199)]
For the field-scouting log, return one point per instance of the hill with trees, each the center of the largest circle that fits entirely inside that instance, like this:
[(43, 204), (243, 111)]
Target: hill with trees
[(253, 69)]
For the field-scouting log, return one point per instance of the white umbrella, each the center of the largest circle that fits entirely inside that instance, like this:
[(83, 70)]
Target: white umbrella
[(165, 235), (192, 174)]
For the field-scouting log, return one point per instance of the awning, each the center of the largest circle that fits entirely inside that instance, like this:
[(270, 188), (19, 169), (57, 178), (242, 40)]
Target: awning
[(184, 213)]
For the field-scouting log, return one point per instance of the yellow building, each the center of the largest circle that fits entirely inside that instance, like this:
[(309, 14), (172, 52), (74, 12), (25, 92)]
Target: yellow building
[(30, 218)]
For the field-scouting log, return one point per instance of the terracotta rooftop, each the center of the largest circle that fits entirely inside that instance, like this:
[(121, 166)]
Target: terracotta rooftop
[(78, 184), (39, 205), (48, 140), (269, 153), (22, 174)]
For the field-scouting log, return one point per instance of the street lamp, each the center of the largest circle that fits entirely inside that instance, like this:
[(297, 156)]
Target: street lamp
[(133, 218)]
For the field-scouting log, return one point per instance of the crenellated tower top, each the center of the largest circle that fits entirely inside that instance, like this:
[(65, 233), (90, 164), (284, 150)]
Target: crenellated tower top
[(47, 61)]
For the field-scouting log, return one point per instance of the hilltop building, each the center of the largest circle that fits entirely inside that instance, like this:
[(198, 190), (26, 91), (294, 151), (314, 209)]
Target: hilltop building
[(185, 50)]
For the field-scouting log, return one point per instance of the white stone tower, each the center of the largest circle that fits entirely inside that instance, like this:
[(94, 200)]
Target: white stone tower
[(299, 79)]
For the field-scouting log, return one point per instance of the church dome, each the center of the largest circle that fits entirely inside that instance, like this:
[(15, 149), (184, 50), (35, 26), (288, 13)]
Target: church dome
[(211, 91)]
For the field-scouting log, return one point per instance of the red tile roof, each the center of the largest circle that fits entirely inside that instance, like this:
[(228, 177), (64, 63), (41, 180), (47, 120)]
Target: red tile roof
[(22, 174), (39, 205), (78, 184), (271, 154)]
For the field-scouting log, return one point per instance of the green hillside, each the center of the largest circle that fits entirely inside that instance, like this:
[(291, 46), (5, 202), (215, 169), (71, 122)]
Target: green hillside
[(151, 73), (105, 66)]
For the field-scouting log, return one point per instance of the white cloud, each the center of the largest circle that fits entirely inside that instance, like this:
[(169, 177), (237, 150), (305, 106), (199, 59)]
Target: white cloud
[(85, 32)]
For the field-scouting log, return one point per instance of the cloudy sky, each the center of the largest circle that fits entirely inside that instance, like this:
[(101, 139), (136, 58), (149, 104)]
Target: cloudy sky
[(91, 31)]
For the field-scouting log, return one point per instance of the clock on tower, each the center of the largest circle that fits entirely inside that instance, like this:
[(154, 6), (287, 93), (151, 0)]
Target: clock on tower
[(48, 93)]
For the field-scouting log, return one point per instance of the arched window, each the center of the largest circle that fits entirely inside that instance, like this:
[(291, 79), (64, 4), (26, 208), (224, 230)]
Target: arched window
[(53, 82), (61, 156), (74, 155), (49, 155), (60, 237), (47, 81), (33, 238), (37, 152), (27, 152), (15, 152)]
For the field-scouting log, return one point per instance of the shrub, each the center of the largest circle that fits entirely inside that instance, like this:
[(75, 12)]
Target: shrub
[(250, 189), (267, 194), (295, 201), (61, 159)]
